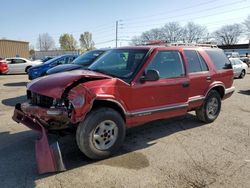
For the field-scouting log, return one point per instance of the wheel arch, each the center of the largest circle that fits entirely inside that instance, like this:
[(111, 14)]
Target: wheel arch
[(27, 68), (111, 104), (219, 88)]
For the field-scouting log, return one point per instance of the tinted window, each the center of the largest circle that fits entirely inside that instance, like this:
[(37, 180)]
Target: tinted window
[(219, 59), (60, 61), (168, 64), (204, 66), (17, 61), (193, 61)]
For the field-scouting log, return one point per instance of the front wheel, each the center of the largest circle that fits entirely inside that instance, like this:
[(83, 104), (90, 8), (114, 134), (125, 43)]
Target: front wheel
[(101, 133), (211, 107)]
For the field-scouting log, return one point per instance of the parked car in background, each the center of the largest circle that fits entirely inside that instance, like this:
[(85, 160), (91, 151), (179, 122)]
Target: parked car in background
[(246, 60), (40, 70), (20, 65), (232, 54), (81, 62), (239, 67), (3, 66)]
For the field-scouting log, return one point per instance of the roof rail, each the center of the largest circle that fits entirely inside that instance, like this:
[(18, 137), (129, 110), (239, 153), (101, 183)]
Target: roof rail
[(192, 44), (165, 43)]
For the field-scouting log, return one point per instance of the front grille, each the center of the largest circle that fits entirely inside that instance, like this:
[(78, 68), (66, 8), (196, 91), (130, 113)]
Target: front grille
[(39, 100)]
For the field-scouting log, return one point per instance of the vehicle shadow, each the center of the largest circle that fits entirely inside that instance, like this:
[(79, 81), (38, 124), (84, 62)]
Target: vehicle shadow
[(13, 101), (136, 139), (15, 84), (17, 150), (244, 92)]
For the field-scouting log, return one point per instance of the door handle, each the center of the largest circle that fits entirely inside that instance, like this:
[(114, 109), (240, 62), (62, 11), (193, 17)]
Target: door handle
[(209, 78), (185, 84)]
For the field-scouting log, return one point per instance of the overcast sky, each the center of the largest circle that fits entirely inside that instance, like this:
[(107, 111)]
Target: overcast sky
[(25, 19)]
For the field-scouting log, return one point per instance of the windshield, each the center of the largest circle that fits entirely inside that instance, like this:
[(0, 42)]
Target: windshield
[(52, 60), (88, 57), (120, 63)]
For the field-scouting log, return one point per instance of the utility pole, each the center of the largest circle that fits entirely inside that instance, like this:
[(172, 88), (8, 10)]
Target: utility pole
[(116, 33), (118, 25)]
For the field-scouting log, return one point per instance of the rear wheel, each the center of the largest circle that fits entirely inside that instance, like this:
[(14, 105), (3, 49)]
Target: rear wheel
[(101, 133), (211, 107), (243, 73)]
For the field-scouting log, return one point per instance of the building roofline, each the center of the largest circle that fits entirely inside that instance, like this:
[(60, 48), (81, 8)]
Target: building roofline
[(9, 40)]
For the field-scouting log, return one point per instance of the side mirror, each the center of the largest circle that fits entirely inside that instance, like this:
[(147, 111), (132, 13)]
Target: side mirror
[(151, 75)]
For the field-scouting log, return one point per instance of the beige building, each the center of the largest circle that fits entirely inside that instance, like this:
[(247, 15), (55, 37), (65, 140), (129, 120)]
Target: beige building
[(13, 48)]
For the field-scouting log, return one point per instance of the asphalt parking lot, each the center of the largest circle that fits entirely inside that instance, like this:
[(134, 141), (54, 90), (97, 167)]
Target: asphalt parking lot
[(179, 152)]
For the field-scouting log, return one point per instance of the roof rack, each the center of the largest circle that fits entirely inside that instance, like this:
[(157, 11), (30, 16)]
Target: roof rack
[(165, 43), (192, 44)]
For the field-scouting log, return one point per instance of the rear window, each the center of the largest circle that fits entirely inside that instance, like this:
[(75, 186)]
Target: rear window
[(219, 59)]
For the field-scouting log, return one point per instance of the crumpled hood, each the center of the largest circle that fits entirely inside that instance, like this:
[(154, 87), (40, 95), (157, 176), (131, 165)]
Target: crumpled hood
[(62, 68), (55, 84)]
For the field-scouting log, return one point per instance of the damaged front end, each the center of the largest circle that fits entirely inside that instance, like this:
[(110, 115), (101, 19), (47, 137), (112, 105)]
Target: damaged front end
[(48, 157), (54, 111)]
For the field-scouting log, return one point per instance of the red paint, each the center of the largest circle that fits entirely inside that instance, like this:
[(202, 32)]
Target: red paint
[(3, 67)]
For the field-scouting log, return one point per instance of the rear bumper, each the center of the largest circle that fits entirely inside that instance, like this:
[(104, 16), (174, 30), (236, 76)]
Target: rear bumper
[(48, 157), (229, 92), (4, 71)]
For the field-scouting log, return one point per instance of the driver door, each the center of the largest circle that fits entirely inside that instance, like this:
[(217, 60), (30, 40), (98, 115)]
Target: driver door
[(165, 97)]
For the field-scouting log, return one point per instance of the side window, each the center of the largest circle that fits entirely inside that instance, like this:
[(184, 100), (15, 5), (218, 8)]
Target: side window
[(17, 61), (193, 61), (61, 61), (237, 62), (168, 64), (72, 59), (204, 66), (219, 59)]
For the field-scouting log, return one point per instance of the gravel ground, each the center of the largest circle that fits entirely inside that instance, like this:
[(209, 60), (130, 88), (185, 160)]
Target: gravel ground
[(179, 152)]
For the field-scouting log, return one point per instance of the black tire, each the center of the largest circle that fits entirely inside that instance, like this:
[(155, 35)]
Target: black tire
[(86, 130), (27, 68), (242, 74), (203, 113)]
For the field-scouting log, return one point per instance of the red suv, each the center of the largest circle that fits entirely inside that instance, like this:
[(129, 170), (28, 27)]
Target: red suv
[(3, 66), (124, 88)]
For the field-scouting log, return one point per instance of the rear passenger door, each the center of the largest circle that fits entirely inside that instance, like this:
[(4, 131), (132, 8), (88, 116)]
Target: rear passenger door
[(199, 75)]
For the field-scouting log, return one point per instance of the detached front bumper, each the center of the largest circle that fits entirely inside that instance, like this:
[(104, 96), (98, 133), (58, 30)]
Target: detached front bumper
[(48, 157)]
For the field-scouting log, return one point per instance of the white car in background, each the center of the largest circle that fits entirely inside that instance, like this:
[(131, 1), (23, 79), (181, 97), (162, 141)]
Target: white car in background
[(20, 65), (239, 67)]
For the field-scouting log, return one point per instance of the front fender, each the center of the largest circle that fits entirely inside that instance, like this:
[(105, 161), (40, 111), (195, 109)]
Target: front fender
[(79, 112)]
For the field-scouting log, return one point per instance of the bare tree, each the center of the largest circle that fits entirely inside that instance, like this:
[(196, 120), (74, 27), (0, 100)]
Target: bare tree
[(172, 32), (136, 40), (86, 41), (45, 42), (67, 42), (193, 32), (153, 34), (228, 34)]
